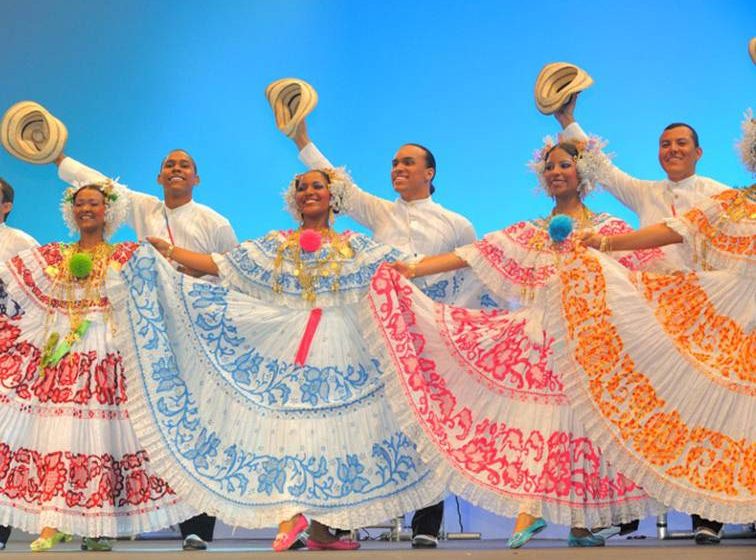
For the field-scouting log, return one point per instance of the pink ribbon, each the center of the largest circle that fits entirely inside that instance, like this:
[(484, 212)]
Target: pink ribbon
[(309, 334)]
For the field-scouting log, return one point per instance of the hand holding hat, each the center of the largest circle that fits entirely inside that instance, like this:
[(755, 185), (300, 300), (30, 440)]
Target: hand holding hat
[(291, 100), (29, 132), (556, 83)]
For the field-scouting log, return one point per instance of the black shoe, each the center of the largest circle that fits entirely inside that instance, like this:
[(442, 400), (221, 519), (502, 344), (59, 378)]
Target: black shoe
[(704, 535), (424, 541)]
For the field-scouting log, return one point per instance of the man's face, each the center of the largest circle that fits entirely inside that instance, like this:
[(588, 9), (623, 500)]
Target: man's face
[(678, 153), (409, 174), (178, 174), (5, 208)]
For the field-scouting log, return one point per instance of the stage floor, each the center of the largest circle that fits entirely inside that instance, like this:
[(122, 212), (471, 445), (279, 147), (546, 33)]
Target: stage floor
[(379, 550)]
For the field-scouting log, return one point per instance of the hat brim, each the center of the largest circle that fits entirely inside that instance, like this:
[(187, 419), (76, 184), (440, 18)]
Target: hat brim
[(29, 132), (556, 83), (291, 100)]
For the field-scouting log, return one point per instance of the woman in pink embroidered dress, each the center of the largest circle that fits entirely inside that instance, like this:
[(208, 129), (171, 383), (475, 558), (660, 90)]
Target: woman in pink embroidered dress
[(504, 426), (69, 460)]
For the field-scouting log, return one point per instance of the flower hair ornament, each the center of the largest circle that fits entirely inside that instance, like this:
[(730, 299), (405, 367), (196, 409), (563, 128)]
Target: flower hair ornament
[(747, 144), (339, 186), (589, 160), (116, 204)]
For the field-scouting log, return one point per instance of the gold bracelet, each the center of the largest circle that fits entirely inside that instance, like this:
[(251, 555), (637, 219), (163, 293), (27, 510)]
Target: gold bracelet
[(169, 252), (413, 270)]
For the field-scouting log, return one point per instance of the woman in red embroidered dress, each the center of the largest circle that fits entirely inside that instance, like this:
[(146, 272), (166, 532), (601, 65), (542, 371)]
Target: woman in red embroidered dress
[(69, 459), (509, 438)]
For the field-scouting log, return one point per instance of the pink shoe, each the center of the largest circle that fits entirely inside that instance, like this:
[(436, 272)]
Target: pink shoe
[(333, 545), (283, 541)]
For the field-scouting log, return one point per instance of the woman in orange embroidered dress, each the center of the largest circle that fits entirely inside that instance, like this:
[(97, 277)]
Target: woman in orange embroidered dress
[(503, 430)]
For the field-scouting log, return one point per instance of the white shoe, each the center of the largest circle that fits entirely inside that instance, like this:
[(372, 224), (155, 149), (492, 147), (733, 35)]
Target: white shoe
[(424, 541), (193, 542)]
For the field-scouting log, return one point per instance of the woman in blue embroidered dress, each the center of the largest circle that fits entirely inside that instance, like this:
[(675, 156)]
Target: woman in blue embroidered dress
[(259, 398)]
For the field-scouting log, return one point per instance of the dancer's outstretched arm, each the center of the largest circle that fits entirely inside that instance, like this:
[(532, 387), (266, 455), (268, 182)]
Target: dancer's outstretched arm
[(430, 265), (199, 262), (649, 237)]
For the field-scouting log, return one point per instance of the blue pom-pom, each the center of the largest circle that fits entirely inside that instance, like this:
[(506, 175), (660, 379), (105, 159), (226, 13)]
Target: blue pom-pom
[(560, 227)]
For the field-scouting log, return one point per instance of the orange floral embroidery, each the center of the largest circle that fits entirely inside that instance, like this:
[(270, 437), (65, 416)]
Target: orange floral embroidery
[(735, 206), (626, 397), (717, 342)]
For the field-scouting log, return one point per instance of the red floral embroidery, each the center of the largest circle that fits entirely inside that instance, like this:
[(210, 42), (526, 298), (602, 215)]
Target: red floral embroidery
[(85, 481), (510, 362), (554, 466)]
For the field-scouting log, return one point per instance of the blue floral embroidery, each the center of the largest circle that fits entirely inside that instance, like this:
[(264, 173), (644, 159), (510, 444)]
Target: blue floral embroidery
[(245, 259), (224, 468), (9, 307)]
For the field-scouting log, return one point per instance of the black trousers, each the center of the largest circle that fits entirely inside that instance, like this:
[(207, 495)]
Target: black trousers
[(697, 521), (201, 525), (427, 521), (5, 532)]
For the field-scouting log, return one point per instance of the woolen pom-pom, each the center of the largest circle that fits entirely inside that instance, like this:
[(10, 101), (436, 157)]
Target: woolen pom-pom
[(560, 227), (310, 240), (80, 265)]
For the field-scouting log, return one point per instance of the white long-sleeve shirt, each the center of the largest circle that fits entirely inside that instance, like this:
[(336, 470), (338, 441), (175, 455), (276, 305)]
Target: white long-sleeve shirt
[(192, 225), (13, 241), (653, 201), (418, 228)]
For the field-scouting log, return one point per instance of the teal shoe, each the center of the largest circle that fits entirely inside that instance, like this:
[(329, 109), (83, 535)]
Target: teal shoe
[(521, 537), (586, 541), (100, 544)]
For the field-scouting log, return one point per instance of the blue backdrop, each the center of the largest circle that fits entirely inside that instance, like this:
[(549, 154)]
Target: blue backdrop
[(132, 80)]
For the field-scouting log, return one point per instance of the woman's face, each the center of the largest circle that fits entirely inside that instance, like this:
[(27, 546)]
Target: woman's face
[(89, 210), (312, 195), (560, 174)]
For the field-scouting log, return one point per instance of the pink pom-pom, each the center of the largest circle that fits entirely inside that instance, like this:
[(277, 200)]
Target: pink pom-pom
[(310, 240)]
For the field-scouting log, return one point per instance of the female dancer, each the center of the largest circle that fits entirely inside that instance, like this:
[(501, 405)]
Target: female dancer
[(69, 459), (511, 434), (262, 402)]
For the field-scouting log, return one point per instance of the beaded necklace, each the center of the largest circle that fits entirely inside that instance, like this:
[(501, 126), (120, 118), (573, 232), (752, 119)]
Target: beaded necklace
[(77, 275)]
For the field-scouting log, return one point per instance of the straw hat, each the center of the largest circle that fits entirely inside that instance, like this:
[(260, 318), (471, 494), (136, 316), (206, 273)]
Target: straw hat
[(291, 100), (32, 134), (752, 49), (556, 83)]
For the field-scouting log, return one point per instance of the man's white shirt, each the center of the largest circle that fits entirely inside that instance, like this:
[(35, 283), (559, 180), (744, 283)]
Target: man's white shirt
[(192, 226), (13, 241), (654, 201), (418, 228)]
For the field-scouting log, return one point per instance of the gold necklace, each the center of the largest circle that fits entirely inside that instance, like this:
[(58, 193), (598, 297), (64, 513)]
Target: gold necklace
[(327, 260)]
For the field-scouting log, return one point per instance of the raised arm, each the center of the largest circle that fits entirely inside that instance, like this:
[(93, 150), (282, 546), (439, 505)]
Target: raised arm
[(430, 265), (199, 262), (367, 209), (626, 188), (649, 237)]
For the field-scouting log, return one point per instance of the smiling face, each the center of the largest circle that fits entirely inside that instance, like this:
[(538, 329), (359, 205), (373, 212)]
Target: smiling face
[(312, 195), (678, 153), (89, 210), (178, 175), (560, 174), (410, 173)]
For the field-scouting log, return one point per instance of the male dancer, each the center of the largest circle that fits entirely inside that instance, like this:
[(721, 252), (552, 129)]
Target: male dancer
[(652, 201), (12, 240), (415, 224)]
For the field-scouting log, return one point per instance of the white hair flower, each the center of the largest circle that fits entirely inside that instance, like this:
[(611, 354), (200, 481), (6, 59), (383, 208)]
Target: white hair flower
[(339, 186), (588, 162)]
